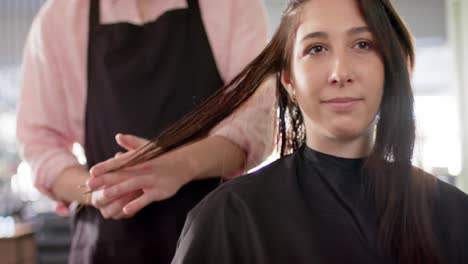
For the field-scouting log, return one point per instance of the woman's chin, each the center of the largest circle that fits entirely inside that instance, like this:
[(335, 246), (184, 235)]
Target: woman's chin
[(346, 133)]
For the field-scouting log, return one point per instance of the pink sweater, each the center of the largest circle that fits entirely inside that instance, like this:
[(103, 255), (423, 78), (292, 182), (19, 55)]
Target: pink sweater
[(52, 104)]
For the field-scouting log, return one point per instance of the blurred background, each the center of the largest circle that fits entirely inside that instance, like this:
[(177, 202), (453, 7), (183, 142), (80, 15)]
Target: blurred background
[(31, 233)]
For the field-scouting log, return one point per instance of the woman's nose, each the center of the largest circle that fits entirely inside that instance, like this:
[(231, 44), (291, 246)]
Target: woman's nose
[(341, 71)]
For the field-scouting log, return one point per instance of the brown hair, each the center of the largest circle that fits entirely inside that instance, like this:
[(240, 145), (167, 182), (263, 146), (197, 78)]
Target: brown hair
[(402, 195)]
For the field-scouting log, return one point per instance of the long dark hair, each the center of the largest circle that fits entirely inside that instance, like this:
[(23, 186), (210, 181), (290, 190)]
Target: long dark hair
[(402, 195)]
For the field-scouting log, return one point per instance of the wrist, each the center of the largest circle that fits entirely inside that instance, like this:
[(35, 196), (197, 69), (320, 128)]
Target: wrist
[(189, 166), (66, 186)]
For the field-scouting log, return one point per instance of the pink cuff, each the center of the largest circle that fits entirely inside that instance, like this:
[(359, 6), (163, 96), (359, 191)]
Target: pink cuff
[(49, 167)]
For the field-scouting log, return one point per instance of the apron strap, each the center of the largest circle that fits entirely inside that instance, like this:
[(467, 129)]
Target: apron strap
[(94, 18), (193, 5)]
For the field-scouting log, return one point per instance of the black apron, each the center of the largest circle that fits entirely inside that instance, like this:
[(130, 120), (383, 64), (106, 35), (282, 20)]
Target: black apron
[(140, 80)]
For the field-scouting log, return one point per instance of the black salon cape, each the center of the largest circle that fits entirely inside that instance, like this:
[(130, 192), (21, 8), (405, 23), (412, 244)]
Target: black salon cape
[(307, 207)]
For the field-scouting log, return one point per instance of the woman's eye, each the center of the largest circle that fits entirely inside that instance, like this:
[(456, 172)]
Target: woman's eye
[(316, 49), (364, 45)]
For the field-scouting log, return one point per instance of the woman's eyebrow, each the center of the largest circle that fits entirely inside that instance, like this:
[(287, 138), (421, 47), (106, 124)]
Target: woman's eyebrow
[(358, 30), (322, 34), (318, 34)]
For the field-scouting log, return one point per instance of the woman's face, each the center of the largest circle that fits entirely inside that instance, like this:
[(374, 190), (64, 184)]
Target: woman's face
[(337, 74)]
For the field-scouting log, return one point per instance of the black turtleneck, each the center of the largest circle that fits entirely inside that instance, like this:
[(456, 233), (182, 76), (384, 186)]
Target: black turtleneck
[(338, 186)]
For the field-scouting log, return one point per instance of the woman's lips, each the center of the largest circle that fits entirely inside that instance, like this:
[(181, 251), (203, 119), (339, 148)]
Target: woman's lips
[(342, 104)]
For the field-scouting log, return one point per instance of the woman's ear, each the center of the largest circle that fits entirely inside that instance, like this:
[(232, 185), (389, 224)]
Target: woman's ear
[(287, 82)]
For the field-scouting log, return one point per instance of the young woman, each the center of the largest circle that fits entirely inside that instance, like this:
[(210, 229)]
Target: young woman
[(347, 193)]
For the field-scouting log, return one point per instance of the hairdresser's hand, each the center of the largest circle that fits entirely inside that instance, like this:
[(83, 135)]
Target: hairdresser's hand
[(112, 208), (154, 180)]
